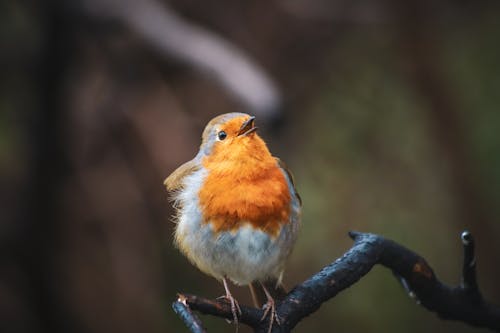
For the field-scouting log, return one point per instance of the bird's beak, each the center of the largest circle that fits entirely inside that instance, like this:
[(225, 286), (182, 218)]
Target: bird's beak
[(247, 127)]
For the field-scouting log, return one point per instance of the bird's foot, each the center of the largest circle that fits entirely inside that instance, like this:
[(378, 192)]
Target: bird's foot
[(235, 307), (270, 309)]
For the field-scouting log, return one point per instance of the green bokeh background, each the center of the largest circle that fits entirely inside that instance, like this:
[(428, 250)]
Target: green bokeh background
[(371, 143)]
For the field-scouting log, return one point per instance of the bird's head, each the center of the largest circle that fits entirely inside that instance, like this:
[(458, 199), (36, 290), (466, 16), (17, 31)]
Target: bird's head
[(232, 136)]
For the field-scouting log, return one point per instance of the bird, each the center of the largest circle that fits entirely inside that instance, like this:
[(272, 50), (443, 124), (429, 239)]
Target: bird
[(237, 209)]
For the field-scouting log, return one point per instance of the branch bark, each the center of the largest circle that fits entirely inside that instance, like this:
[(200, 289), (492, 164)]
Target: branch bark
[(463, 303)]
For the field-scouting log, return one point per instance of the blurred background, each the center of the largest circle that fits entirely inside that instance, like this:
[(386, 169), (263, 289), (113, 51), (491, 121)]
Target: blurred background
[(386, 112)]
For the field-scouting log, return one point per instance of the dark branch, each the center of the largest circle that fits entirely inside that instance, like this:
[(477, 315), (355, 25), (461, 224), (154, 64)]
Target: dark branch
[(452, 303), (188, 317), (463, 303), (469, 269), (222, 308)]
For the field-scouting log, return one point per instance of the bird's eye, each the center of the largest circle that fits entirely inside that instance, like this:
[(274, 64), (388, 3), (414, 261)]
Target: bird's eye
[(221, 135)]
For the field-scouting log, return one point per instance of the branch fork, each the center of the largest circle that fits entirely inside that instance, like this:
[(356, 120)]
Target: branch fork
[(463, 303)]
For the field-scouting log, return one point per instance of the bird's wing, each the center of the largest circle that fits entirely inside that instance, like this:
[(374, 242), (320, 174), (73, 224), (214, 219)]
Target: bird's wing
[(289, 174), (174, 181)]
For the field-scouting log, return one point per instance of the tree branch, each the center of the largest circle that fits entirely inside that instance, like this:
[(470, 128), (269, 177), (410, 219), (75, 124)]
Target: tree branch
[(187, 43), (188, 317), (469, 267), (463, 303)]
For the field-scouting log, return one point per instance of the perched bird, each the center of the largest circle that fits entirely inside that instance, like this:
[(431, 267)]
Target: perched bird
[(238, 212)]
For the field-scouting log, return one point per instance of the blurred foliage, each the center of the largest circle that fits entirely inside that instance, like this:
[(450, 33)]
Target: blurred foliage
[(86, 231)]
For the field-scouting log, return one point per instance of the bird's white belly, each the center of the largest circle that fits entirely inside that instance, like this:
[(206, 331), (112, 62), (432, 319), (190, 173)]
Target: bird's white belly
[(244, 255)]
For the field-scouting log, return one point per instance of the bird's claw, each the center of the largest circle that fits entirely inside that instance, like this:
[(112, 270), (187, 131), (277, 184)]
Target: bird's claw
[(270, 308), (235, 307), (234, 303)]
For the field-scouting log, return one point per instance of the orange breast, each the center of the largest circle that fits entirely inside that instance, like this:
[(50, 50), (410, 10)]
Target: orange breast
[(252, 190)]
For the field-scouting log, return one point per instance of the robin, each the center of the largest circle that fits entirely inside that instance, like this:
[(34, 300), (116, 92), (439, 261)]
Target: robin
[(238, 212)]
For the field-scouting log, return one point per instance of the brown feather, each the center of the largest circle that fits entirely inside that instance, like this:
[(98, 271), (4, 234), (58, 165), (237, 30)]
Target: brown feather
[(175, 180), (283, 166)]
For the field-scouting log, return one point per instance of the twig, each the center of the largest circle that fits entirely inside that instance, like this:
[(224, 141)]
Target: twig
[(452, 303), (188, 317), (469, 268), (463, 303)]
